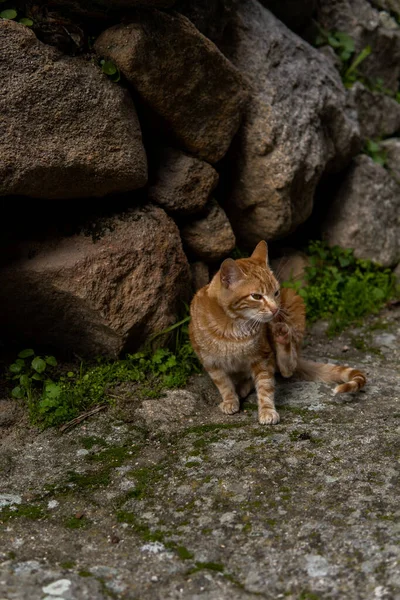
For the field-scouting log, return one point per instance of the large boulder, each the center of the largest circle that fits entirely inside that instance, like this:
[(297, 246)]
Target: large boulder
[(182, 76), (65, 130), (365, 214), (391, 148), (182, 184), (368, 27), (97, 297), (378, 114), (296, 126), (209, 236)]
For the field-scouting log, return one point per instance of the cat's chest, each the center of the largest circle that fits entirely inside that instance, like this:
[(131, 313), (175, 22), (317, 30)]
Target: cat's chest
[(233, 356)]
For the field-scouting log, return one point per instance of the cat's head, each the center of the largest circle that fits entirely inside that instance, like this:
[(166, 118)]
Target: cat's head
[(248, 288)]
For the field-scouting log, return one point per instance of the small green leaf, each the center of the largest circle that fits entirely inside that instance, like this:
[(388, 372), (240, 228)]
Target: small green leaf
[(37, 377), (109, 68), (38, 364), (15, 368), (70, 374), (26, 21), (51, 361), (24, 381), (26, 353), (52, 390), (18, 392), (9, 13)]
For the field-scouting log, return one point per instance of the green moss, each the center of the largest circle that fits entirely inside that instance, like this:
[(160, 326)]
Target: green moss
[(183, 553), (84, 573), (192, 463), (209, 566), (306, 595), (250, 406), (201, 429), (74, 523), (22, 511), (89, 480), (113, 456), (91, 440), (68, 564), (11, 555)]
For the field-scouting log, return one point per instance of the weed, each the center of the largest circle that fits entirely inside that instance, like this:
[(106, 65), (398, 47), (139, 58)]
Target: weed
[(111, 70), (341, 288), (376, 152), (344, 48), (53, 401)]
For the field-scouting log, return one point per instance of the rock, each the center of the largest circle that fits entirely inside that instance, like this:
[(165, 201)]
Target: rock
[(378, 114), (296, 126), (200, 275), (79, 132), (368, 27), (290, 267), (182, 76), (182, 183), (392, 150), (365, 214), (211, 18), (172, 412), (97, 297), (210, 236), (296, 14), (391, 6)]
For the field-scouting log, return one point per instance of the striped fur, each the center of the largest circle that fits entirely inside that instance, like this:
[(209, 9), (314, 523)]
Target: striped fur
[(244, 329), (351, 380)]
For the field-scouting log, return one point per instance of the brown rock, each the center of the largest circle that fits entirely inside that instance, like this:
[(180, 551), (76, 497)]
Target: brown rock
[(79, 132), (100, 297), (200, 275), (378, 114), (297, 125), (182, 183), (182, 76), (210, 236), (365, 213)]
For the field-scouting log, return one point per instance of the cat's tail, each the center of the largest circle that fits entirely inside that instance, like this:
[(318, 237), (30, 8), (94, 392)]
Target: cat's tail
[(351, 380)]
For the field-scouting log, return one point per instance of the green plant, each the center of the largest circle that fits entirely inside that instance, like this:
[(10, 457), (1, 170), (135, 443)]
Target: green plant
[(111, 70), (376, 152), (341, 288), (344, 48), (52, 401), (9, 14)]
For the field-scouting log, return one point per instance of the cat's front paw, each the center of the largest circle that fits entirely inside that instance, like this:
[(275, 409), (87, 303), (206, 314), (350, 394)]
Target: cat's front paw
[(230, 407), (268, 416), (281, 333)]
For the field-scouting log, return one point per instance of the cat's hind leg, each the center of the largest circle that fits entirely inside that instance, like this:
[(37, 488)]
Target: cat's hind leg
[(285, 349)]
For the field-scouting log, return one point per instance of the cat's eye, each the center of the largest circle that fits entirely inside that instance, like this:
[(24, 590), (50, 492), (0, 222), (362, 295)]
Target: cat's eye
[(277, 293), (256, 296)]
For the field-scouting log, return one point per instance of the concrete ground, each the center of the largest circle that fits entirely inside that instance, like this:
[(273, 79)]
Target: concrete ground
[(169, 498)]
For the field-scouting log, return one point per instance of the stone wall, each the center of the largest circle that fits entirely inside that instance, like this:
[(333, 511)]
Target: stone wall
[(215, 130)]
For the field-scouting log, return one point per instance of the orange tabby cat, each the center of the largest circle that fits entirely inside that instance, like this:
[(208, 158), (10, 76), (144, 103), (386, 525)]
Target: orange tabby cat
[(243, 329)]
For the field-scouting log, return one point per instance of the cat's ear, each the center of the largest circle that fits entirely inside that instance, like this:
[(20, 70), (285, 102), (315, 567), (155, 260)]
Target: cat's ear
[(261, 252), (230, 272)]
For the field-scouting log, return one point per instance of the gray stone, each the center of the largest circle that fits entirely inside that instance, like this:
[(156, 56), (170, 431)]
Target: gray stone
[(182, 183), (296, 126), (97, 297), (391, 6), (365, 213), (79, 132), (210, 236), (182, 76), (360, 20), (392, 150), (378, 114), (222, 508)]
